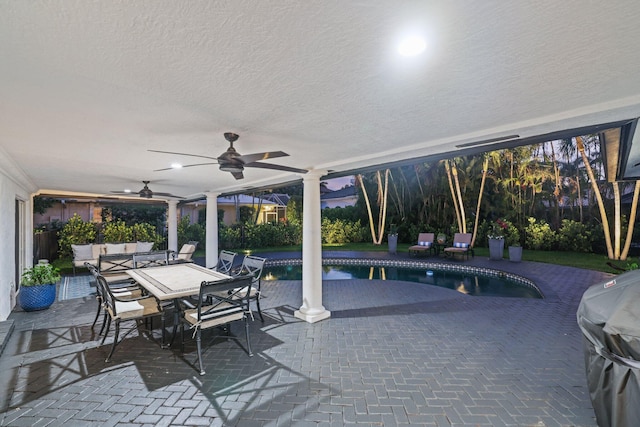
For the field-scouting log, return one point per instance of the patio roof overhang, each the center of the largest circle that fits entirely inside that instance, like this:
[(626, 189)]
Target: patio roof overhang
[(88, 92)]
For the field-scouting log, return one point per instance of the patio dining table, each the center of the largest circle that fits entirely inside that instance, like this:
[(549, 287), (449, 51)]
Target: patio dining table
[(174, 281)]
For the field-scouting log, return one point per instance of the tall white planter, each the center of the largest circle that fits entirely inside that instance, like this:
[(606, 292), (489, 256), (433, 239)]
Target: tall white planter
[(496, 249), (393, 243)]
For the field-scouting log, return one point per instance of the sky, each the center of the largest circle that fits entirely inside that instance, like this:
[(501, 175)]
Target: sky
[(338, 183)]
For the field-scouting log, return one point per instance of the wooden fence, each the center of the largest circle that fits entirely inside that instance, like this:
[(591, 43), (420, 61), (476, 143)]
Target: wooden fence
[(45, 246)]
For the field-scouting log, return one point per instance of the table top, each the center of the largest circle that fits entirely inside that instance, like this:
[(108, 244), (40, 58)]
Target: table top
[(175, 280)]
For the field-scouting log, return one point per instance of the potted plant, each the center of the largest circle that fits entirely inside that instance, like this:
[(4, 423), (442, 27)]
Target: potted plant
[(496, 240), (38, 287), (515, 252), (392, 239)]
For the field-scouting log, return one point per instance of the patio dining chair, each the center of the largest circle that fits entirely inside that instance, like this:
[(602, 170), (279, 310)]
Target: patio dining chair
[(120, 309), (225, 262), (154, 259), (252, 266), (215, 307), (123, 290)]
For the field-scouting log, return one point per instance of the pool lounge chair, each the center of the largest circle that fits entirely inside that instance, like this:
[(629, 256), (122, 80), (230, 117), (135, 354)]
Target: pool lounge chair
[(425, 245), (461, 245)]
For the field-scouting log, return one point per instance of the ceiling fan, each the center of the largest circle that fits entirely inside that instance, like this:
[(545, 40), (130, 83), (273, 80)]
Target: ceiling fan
[(147, 193), (234, 162)]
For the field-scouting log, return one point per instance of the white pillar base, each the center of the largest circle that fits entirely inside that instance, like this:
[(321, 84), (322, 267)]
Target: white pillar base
[(312, 317)]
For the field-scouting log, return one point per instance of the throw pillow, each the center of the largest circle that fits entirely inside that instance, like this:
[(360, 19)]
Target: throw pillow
[(422, 243), (144, 247), (82, 252), (114, 248)]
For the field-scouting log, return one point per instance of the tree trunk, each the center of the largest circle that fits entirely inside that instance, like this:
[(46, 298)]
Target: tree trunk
[(462, 224), (616, 220), (453, 193), (598, 196), (485, 167), (632, 221)]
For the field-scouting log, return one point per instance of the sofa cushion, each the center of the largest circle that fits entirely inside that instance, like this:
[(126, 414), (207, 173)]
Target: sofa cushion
[(82, 252), (144, 247), (114, 248), (130, 248), (98, 249)]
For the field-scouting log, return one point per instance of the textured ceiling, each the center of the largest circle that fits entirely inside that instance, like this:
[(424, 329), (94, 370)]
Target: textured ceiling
[(88, 87)]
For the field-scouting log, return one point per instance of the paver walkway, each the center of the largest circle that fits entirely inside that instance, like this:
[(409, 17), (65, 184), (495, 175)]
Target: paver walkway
[(392, 353)]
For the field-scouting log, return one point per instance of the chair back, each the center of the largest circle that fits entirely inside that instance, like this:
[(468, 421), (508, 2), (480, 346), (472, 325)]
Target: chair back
[(186, 252), (92, 269), (252, 265), (426, 237), (225, 261), (462, 238), (223, 301), (154, 259), (103, 291)]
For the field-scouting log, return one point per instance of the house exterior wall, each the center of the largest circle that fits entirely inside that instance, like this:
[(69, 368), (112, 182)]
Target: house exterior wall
[(228, 216), (64, 211), (12, 188)]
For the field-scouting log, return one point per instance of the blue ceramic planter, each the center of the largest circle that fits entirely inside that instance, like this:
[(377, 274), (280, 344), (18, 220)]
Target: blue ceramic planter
[(40, 297)]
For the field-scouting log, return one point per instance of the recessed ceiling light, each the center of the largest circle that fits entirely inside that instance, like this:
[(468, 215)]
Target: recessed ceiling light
[(176, 165), (412, 46)]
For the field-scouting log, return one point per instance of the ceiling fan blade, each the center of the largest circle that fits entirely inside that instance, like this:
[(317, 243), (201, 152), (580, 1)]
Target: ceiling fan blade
[(184, 166), (250, 158), (276, 167), (237, 175), (167, 195), (183, 154)]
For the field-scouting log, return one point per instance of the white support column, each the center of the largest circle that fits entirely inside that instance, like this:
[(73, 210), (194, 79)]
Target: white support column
[(172, 225), (312, 309), (211, 247)]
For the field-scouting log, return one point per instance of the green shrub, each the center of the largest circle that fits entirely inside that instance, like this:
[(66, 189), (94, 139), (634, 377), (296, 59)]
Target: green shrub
[(145, 232), (230, 237), (117, 232), (75, 232), (574, 236), (340, 231), (260, 235), (539, 235), (347, 213), (188, 232)]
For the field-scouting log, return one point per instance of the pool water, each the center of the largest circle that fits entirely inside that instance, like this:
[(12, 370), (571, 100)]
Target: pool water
[(469, 283)]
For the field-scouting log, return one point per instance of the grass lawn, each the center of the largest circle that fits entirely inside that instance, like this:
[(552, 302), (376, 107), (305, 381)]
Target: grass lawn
[(589, 261)]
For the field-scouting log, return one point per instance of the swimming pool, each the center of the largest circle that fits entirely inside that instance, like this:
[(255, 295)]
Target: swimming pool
[(468, 280)]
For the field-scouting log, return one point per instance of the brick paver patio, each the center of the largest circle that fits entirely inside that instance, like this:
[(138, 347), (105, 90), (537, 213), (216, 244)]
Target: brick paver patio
[(392, 353)]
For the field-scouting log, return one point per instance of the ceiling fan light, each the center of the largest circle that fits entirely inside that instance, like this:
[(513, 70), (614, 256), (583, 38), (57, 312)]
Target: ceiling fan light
[(231, 168)]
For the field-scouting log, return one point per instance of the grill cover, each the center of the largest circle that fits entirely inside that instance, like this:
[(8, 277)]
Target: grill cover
[(609, 317)]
